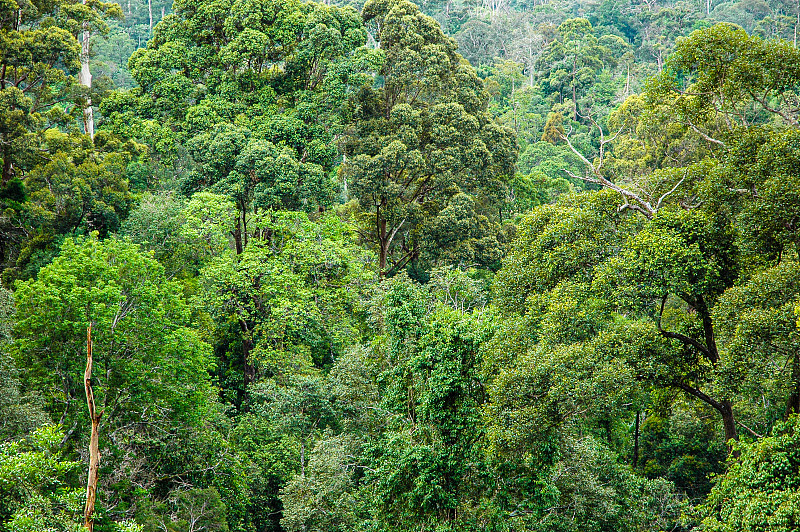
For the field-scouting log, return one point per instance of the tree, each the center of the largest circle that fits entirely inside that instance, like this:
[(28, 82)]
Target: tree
[(40, 58), (422, 140), (758, 78), (290, 300), (251, 110), (573, 61), (151, 379), (37, 484)]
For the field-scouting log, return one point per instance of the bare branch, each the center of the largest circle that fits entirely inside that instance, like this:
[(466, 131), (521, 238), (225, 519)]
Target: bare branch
[(705, 136), (673, 189), (748, 429), (632, 200)]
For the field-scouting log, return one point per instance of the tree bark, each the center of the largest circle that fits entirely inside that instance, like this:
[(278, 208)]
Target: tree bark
[(729, 425), (723, 407), (384, 248), (247, 348), (94, 449), (8, 166), (85, 79)]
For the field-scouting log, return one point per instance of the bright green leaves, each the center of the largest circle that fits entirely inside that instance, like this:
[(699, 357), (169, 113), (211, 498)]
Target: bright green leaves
[(253, 80), (260, 175), (723, 70), (679, 252), (759, 491), (574, 60), (292, 295), (151, 369), (38, 486), (430, 467), (139, 324), (557, 242)]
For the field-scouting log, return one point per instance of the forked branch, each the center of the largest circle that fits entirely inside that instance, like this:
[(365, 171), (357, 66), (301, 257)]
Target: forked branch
[(631, 200)]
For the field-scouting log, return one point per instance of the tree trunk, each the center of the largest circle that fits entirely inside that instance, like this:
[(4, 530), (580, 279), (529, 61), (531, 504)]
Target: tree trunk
[(247, 348), (237, 235), (383, 244), (94, 449), (303, 458), (150, 13), (574, 95), (729, 424), (85, 79), (628, 82), (8, 166)]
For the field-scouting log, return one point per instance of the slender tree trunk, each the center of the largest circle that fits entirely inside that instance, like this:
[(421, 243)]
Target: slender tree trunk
[(574, 95), (8, 166), (383, 244), (237, 235), (303, 458), (85, 79), (94, 449), (150, 13), (628, 82)]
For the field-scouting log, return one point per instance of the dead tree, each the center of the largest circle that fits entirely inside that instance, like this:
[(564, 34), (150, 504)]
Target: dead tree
[(94, 449)]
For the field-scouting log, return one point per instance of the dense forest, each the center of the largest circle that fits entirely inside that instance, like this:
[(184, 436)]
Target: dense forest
[(472, 265)]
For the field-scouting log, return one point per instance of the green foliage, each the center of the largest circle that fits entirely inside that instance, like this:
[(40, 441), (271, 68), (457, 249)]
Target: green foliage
[(139, 323), (38, 484), (425, 159), (256, 131), (150, 366), (259, 370), (54, 180), (754, 71), (759, 491)]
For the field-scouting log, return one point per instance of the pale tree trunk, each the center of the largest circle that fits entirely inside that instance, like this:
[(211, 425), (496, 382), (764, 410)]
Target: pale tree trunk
[(797, 21), (94, 449), (85, 79), (628, 82), (150, 13)]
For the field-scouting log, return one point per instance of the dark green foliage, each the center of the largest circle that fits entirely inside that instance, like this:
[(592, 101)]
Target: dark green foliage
[(340, 279)]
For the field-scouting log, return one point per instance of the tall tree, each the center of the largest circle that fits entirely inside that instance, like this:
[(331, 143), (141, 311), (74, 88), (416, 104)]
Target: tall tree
[(423, 142)]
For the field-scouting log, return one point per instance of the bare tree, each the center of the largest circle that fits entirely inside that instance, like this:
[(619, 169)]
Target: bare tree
[(94, 449)]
